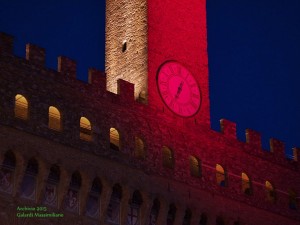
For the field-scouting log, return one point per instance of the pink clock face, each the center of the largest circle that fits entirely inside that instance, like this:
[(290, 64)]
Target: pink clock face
[(178, 89)]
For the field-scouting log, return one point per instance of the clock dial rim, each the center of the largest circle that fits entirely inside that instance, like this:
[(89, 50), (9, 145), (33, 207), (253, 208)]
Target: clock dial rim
[(199, 102)]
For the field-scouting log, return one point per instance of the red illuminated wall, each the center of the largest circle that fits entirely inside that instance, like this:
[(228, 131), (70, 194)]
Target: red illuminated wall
[(177, 31)]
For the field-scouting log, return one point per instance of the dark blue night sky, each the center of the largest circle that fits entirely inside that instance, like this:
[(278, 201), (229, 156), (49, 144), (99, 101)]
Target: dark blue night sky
[(253, 48)]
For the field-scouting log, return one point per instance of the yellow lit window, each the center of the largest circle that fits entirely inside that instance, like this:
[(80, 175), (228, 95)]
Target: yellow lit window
[(195, 168), (21, 107), (246, 185), (85, 129), (114, 139), (168, 159), (271, 195), (220, 175), (54, 122)]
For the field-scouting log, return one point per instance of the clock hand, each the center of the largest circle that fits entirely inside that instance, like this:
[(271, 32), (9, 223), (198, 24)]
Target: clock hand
[(179, 90)]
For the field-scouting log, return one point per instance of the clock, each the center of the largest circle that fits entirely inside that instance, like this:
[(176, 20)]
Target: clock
[(178, 89)]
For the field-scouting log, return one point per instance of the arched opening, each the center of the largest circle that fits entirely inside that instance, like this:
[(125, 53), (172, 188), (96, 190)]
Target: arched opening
[(167, 157), (271, 195), (71, 202), (54, 121), (220, 176), (220, 221), (246, 184), (139, 150), (85, 129), (21, 107), (293, 204), (113, 209), (7, 173), (154, 212), (195, 167), (93, 202), (133, 216), (114, 137), (28, 187), (50, 196), (171, 214), (124, 46), (203, 219), (187, 217)]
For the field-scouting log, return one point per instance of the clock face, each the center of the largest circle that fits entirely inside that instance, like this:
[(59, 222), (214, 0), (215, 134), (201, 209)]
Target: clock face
[(178, 89)]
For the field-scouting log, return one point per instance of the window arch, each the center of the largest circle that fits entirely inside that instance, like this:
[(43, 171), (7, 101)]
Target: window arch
[(171, 214), (113, 209), (54, 121), (71, 201), (7, 173), (293, 204), (203, 219), (168, 157), (93, 202), (195, 167), (187, 217), (220, 221), (271, 195), (114, 138), (28, 187), (220, 176), (50, 195), (154, 212), (246, 184), (139, 150), (85, 129), (133, 215), (21, 107)]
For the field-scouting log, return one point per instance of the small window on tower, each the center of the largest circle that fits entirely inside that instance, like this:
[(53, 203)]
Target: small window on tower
[(124, 46), (54, 122), (85, 129), (21, 107)]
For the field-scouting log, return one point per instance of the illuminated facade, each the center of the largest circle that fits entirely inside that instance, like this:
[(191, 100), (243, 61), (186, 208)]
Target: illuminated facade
[(77, 153)]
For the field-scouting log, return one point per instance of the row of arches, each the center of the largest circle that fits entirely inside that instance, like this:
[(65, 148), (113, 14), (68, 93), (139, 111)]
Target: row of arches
[(168, 159), (71, 200)]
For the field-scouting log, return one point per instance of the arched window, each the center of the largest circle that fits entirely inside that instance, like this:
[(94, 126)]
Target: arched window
[(7, 173), (71, 202), (171, 214), (293, 204), (203, 219), (114, 137), (195, 167), (85, 129), (50, 196), (54, 122), (93, 202), (113, 209), (28, 187), (271, 195), (139, 150), (220, 175), (167, 157), (21, 107), (133, 216), (220, 221), (154, 212), (187, 217), (246, 184)]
